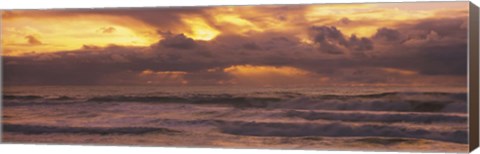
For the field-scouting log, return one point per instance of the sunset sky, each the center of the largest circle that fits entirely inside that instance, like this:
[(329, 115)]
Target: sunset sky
[(379, 44)]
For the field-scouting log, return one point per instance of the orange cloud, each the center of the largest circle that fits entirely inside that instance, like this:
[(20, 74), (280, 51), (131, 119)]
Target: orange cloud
[(399, 71), (363, 20), (32, 40), (66, 35), (237, 24), (199, 29), (271, 75), (163, 77), (250, 70), (107, 30)]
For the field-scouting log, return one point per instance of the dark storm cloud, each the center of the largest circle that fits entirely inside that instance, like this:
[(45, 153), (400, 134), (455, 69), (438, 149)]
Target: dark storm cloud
[(432, 60), (86, 66), (179, 41), (176, 52), (331, 40), (453, 27), (431, 47), (435, 32), (360, 44), (439, 50), (251, 46), (387, 34)]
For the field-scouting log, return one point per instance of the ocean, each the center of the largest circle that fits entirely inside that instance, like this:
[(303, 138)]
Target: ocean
[(323, 118)]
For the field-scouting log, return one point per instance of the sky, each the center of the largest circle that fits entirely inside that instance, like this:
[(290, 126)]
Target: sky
[(370, 44)]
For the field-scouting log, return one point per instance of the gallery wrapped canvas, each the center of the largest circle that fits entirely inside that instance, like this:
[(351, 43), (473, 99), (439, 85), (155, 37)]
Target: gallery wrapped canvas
[(367, 76)]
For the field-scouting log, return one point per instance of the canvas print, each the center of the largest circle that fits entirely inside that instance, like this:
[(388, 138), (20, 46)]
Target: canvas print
[(370, 76)]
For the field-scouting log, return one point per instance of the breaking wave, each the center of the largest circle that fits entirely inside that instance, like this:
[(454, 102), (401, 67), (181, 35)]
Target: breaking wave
[(26, 97), (35, 129), (378, 117), (330, 129), (340, 130), (395, 101)]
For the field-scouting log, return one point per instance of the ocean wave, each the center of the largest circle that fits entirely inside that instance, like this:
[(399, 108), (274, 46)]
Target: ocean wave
[(37, 129), (37, 98), (394, 94), (326, 129), (236, 101), (137, 99), (393, 101), (379, 105), (387, 117), (278, 96), (28, 100), (21, 97), (340, 130)]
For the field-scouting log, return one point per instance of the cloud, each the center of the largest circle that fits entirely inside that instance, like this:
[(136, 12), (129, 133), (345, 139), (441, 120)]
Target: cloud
[(107, 30), (267, 59), (387, 34), (199, 29), (162, 77), (345, 21), (360, 44), (179, 41), (32, 40), (251, 46), (430, 37), (329, 38), (332, 40), (434, 32), (399, 71), (249, 70), (270, 75), (119, 58), (268, 46)]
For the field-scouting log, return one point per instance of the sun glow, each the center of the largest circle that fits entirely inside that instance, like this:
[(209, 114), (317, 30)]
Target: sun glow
[(27, 32), (250, 70), (199, 29), (25, 35), (238, 23)]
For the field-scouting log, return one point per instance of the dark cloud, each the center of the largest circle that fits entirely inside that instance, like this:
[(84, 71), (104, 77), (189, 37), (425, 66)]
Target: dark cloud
[(360, 44), (32, 40), (329, 38), (440, 60), (435, 32), (387, 34), (431, 50), (451, 27), (332, 40), (345, 21), (251, 46), (179, 41)]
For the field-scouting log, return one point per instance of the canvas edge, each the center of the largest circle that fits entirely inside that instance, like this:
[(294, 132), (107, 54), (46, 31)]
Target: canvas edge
[(473, 65)]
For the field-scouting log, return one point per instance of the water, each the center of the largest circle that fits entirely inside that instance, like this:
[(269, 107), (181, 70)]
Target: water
[(376, 118)]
